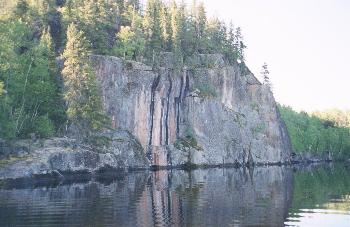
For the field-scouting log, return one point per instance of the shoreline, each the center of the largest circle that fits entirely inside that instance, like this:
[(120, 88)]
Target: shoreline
[(110, 174)]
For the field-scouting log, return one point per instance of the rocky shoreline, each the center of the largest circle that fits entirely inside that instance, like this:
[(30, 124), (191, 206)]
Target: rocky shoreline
[(64, 159)]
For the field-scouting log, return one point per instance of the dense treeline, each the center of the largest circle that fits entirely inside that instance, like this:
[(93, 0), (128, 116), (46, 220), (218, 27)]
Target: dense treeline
[(38, 98), (320, 133), (30, 100), (335, 117)]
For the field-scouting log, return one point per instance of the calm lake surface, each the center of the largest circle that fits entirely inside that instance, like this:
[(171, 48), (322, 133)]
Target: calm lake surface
[(264, 196)]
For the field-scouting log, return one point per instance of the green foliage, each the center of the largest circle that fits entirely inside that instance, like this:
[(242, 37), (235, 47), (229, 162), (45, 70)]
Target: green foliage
[(187, 143), (311, 134), (161, 26), (206, 91), (335, 117), (28, 70), (318, 188), (96, 18), (152, 28), (44, 127), (129, 43), (32, 36), (85, 110), (259, 129)]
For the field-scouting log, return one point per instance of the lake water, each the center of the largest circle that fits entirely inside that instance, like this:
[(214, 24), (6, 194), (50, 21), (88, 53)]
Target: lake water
[(264, 196)]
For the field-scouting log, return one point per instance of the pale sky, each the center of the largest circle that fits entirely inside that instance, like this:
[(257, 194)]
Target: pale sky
[(306, 44)]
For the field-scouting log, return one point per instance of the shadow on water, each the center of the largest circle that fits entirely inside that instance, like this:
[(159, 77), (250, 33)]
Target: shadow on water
[(204, 197)]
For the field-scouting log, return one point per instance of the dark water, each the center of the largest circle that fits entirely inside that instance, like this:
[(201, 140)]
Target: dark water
[(273, 196)]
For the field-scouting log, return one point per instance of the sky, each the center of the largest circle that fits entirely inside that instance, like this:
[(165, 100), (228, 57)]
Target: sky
[(306, 44)]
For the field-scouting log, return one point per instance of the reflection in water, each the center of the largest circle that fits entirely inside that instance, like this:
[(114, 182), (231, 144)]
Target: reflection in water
[(214, 197), (321, 197)]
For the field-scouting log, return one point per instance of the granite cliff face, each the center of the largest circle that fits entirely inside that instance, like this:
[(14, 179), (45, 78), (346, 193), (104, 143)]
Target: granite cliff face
[(209, 113)]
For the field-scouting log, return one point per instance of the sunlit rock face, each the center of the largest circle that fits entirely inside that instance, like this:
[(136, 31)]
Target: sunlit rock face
[(212, 197), (211, 112)]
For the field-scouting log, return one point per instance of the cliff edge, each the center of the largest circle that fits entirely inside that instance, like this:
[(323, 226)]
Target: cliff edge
[(208, 113)]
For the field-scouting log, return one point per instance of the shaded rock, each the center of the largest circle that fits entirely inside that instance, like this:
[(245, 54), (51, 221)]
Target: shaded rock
[(60, 156)]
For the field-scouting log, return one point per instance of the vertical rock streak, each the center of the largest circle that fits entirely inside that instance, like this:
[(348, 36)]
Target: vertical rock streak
[(177, 103), (224, 108), (167, 110), (153, 93)]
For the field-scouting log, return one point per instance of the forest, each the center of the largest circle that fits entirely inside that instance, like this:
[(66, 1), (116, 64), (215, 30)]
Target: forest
[(323, 133), (36, 36), (47, 83)]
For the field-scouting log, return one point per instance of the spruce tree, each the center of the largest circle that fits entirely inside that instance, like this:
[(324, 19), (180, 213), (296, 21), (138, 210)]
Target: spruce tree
[(165, 26), (152, 29), (201, 21), (176, 30), (265, 73), (239, 45), (57, 115), (85, 109)]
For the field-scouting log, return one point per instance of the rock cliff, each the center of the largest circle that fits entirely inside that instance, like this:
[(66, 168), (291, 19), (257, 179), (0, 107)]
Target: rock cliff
[(209, 113), (63, 157)]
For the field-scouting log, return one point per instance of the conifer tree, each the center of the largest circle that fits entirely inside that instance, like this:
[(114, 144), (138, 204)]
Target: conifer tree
[(47, 42), (265, 73), (176, 28), (57, 115), (152, 28), (165, 26), (85, 110), (201, 20), (239, 45)]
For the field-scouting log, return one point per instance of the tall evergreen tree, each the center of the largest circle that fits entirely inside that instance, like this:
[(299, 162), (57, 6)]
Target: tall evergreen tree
[(57, 115), (201, 21), (239, 44), (265, 73), (152, 28), (85, 110), (165, 26), (176, 31)]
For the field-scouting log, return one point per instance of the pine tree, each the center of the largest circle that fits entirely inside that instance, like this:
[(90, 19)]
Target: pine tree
[(216, 31), (201, 21), (85, 109), (152, 28), (57, 115), (239, 45), (176, 28), (130, 44), (165, 26), (47, 42), (265, 73)]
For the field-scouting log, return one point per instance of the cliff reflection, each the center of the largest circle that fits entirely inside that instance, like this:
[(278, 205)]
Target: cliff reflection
[(214, 197)]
